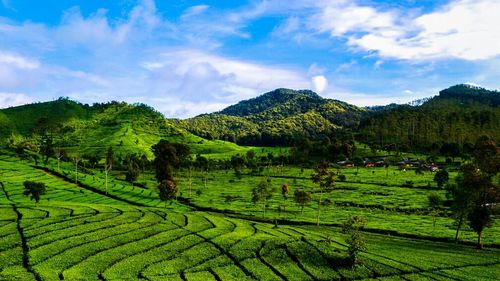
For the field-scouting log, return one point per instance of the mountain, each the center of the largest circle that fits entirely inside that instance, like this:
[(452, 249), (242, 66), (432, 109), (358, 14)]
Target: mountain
[(456, 117), (279, 117), (91, 129)]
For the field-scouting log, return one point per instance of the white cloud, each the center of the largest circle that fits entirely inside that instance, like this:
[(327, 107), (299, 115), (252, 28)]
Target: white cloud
[(18, 61), (13, 99), (194, 11), (319, 83), (315, 69), (141, 57), (463, 29), (341, 17), (292, 24), (473, 84), (196, 76)]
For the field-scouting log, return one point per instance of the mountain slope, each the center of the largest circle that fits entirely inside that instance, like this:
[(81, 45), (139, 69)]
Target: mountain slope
[(275, 101), (279, 117), (459, 115), (90, 130)]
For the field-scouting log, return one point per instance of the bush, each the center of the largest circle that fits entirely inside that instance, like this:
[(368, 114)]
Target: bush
[(34, 189)]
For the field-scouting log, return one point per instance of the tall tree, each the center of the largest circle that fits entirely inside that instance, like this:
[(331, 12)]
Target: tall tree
[(108, 165), (285, 190), (263, 192), (480, 217), (434, 204), (302, 197), (47, 147), (167, 156), (473, 193), (77, 160), (324, 178), (203, 164), (355, 240)]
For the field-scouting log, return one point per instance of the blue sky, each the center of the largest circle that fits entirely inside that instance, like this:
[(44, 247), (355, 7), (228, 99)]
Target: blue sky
[(190, 57)]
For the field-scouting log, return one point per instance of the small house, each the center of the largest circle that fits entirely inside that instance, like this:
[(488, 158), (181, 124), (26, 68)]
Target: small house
[(368, 163), (346, 163)]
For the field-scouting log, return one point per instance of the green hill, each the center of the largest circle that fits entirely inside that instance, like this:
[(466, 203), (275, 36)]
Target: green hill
[(453, 120), (280, 117), (456, 117), (90, 130)]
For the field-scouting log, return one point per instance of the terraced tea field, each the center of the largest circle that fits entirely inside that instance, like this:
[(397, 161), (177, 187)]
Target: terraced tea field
[(79, 233)]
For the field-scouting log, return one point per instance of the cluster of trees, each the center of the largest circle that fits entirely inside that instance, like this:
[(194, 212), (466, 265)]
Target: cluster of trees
[(440, 125), (335, 148)]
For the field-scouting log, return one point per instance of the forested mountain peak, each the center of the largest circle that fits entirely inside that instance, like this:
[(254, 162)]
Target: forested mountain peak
[(456, 117), (269, 100), (279, 117), (467, 93)]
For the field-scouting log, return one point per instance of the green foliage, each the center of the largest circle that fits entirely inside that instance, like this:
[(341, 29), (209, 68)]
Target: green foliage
[(91, 130), (168, 190), (302, 197), (487, 155), (263, 192), (324, 178), (84, 235), (168, 156), (448, 123), (280, 117), (355, 240), (132, 174), (435, 200), (441, 178), (472, 194), (479, 218), (34, 190)]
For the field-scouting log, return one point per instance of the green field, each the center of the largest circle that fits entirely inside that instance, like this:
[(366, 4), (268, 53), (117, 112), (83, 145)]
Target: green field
[(77, 232)]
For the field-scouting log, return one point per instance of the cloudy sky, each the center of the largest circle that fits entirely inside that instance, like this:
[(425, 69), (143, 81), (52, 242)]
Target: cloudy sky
[(189, 57)]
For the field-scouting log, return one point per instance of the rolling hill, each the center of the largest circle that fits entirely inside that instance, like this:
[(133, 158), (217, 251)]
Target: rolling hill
[(90, 130), (279, 117)]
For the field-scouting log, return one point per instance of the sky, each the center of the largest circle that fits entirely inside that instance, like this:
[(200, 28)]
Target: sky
[(185, 57)]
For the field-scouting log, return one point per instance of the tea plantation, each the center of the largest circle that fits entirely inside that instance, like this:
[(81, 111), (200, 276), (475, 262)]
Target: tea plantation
[(83, 231)]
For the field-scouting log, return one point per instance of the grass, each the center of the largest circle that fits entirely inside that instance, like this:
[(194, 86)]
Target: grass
[(82, 234)]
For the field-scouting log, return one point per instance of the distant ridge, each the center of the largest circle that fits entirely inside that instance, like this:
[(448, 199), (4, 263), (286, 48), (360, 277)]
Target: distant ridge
[(283, 117)]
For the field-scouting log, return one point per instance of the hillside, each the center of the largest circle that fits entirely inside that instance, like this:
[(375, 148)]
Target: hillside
[(279, 117), (453, 119), (90, 130), (457, 116)]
